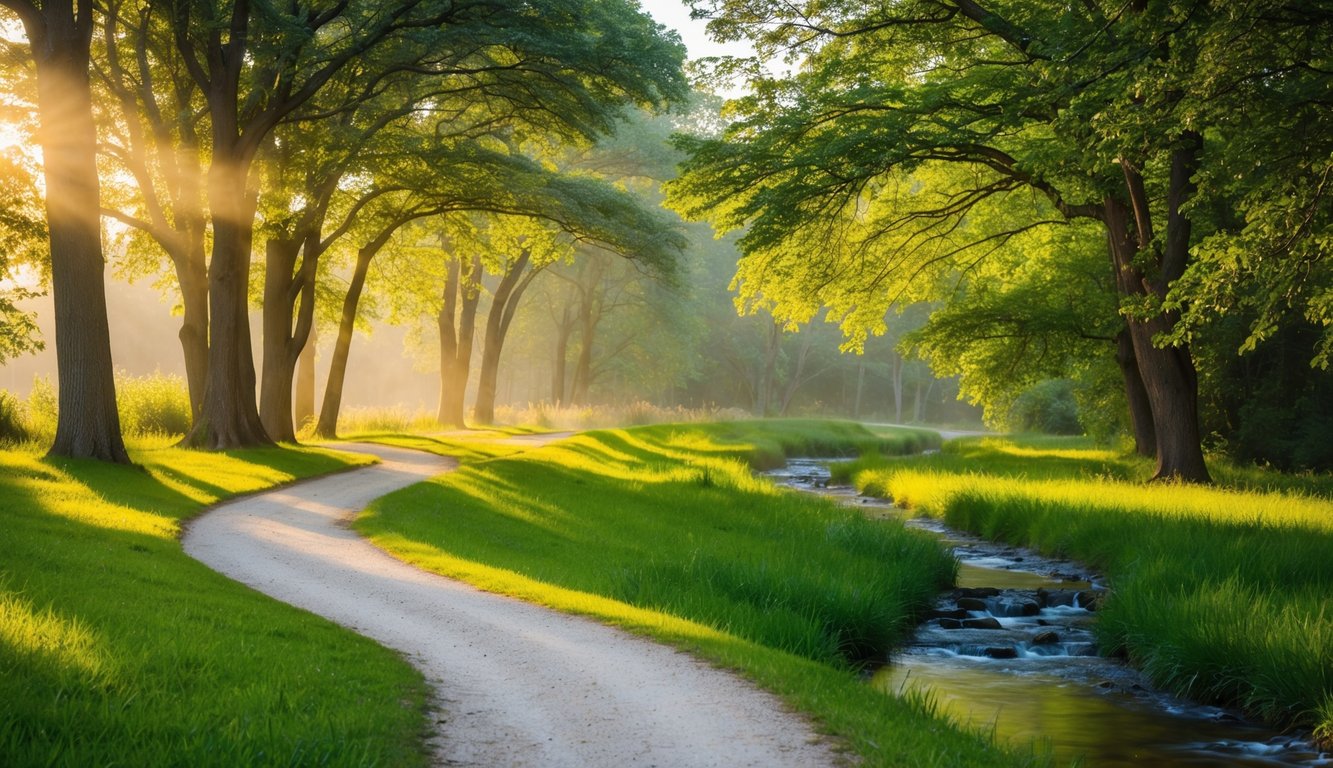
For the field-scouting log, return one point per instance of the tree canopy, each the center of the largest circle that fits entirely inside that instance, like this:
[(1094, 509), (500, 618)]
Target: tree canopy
[(918, 137)]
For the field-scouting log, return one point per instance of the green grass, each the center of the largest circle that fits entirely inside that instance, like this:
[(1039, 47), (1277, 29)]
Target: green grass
[(664, 531), (118, 649), (1221, 593)]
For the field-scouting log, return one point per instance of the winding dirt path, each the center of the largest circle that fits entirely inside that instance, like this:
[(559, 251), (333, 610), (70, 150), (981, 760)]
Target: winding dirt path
[(515, 684)]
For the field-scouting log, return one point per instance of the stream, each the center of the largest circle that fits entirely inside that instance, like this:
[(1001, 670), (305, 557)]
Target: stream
[(1012, 650)]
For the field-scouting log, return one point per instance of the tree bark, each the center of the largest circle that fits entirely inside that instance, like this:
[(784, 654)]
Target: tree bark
[(275, 388), (327, 426), (304, 398), (860, 385), (192, 273), (457, 323), (230, 418), (87, 424), (1140, 409), (284, 287), (1168, 374), (503, 304)]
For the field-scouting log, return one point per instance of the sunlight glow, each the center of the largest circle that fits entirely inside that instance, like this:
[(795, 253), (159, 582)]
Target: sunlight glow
[(65, 643)]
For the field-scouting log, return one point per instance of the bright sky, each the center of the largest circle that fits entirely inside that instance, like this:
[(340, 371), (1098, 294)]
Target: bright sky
[(676, 15)]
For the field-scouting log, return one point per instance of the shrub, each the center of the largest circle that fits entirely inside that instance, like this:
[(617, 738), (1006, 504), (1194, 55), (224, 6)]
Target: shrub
[(156, 404), (1047, 407), (13, 428), (40, 415)]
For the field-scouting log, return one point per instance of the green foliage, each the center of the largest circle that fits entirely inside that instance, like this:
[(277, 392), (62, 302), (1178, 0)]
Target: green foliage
[(924, 150), (1048, 407), (1218, 593), (40, 413), (13, 426), (116, 647), (664, 530), (155, 404), (22, 243)]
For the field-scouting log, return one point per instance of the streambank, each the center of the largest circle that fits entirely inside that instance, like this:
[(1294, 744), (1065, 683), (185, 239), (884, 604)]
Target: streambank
[(1013, 649)]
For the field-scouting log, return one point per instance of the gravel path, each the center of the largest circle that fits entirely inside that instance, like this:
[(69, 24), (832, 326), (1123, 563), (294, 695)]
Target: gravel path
[(515, 684)]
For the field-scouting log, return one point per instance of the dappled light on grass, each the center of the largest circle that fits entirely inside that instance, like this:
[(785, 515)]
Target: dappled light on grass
[(48, 639), (117, 648), (31, 482), (665, 531)]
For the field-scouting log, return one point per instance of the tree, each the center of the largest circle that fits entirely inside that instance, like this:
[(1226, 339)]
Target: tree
[(260, 66), (154, 131), (907, 117), (60, 34)]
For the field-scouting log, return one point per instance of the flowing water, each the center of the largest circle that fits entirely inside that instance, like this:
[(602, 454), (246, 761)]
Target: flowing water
[(1012, 649)]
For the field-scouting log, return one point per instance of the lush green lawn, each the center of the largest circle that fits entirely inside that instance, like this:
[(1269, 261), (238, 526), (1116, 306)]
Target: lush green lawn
[(663, 530), (118, 649), (1224, 593)]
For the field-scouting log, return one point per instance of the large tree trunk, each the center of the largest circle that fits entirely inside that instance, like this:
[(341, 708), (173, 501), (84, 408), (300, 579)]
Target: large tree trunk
[(87, 424), (282, 344), (327, 426), (275, 387), (457, 323), (1168, 374), (230, 418), (501, 314), (303, 407), (1140, 408)]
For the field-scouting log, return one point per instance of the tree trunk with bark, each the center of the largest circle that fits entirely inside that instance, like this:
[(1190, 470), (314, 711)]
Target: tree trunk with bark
[(229, 418), (284, 287), (87, 424), (503, 304), (457, 322), (327, 426), (1168, 374), (303, 406), (1140, 409), (860, 385)]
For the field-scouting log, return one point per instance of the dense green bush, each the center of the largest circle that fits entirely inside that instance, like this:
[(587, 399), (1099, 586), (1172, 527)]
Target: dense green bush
[(156, 404), (12, 426), (1047, 407)]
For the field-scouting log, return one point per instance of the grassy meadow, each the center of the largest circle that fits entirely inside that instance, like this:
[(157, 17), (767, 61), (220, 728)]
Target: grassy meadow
[(1223, 593), (118, 649), (664, 530)]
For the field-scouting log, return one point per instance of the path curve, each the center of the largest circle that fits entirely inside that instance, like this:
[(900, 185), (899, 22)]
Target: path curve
[(515, 684)]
